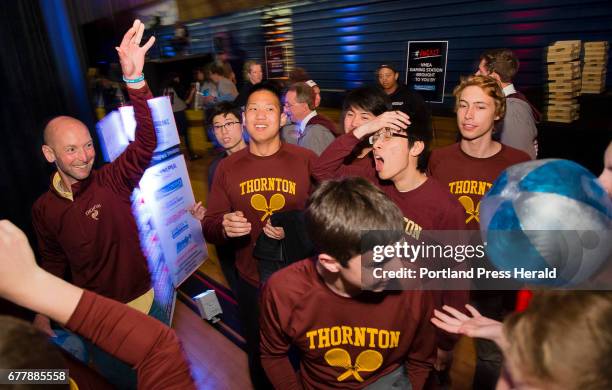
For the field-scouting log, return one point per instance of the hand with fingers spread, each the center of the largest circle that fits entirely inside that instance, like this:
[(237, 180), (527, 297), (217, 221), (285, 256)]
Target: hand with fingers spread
[(235, 224), (395, 120), (475, 326), (198, 211), (277, 233), (131, 54)]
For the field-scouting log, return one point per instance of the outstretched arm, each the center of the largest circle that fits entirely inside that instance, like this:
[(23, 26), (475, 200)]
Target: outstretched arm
[(141, 341), (125, 172)]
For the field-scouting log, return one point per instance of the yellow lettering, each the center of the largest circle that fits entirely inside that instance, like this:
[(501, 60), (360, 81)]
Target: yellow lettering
[(383, 339), (347, 335), (256, 185), (466, 187), (311, 335), (249, 186), (451, 186), (395, 335), (473, 185), (292, 188), (372, 332), (323, 337), (242, 188), (336, 336), (285, 186), (360, 336), (270, 184), (481, 187)]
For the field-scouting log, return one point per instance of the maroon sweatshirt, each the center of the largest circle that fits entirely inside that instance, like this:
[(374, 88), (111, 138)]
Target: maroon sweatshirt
[(428, 207), (344, 343), (144, 343), (95, 236), (469, 178), (324, 121), (257, 186), (331, 164)]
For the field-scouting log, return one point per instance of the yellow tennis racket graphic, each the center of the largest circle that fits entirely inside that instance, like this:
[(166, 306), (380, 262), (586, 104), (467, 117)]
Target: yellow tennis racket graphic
[(468, 205), (367, 361), (259, 203)]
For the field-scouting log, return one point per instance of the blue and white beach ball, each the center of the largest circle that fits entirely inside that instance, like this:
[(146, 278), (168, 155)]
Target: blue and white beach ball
[(548, 214)]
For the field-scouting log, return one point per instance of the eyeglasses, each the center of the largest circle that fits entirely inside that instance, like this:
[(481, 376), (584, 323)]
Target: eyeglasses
[(225, 126), (386, 135)]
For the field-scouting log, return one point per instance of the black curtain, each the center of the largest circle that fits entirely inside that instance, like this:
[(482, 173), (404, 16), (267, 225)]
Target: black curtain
[(31, 94)]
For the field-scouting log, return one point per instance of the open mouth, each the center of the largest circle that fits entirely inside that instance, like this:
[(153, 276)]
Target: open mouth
[(380, 162)]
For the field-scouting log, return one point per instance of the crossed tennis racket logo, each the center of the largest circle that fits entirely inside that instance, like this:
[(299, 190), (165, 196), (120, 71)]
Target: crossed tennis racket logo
[(260, 203), (468, 205), (367, 361)]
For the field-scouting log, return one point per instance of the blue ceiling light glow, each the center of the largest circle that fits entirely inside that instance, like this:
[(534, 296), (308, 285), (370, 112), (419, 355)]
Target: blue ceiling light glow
[(351, 57), (350, 38), (348, 10), (351, 67), (351, 19), (349, 29), (350, 48)]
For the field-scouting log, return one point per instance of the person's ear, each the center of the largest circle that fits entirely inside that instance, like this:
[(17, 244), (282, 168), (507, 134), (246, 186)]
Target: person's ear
[(417, 148), (48, 153), (329, 263), (283, 119), (396, 76)]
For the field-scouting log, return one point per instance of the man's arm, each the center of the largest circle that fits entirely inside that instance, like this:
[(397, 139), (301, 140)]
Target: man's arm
[(129, 335), (274, 344), (53, 260), (330, 165), (519, 127), (125, 172), (317, 138), (220, 221)]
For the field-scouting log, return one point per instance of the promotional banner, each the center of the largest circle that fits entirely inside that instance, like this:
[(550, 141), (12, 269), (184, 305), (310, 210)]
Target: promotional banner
[(167, 192), (113, 139), (170, 237), (426, 69), (276, 62)]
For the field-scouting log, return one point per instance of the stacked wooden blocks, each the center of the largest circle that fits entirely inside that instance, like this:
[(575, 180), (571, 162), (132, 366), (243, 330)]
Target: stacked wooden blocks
[(563, 68), (594, 67)]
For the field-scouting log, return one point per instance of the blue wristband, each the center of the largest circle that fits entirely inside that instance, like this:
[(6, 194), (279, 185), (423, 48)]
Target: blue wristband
[(136, 80)]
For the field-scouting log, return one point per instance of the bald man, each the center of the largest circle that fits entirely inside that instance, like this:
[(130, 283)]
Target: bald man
[(84, 222)]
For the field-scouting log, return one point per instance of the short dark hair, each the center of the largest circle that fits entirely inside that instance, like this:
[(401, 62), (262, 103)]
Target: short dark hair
[(266, 86), (501, 61), (339, 212), (304, 93), (367, 98), (23, 346), (420, 130), (222, 108)]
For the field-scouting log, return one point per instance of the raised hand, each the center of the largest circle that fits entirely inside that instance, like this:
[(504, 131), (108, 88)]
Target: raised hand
[(395, 120), (131, 54), (475, 326)]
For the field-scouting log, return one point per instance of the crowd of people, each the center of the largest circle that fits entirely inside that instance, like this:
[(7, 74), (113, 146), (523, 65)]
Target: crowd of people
[(300, 185)]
